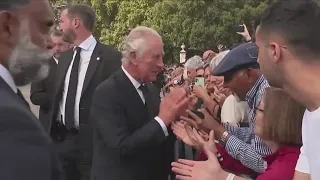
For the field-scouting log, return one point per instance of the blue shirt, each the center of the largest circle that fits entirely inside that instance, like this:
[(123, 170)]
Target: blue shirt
[(243, 144)]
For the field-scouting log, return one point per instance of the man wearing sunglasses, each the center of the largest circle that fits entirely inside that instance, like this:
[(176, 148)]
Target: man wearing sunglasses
[(243, 76)]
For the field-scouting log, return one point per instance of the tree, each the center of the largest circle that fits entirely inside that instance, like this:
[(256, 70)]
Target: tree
[(117, 17), (199, 24)]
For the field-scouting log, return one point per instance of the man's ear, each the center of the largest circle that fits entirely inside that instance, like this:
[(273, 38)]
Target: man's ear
[(76, 22), (133, 57), (275, 52), (70, 46), (251, 73), (9, 28)]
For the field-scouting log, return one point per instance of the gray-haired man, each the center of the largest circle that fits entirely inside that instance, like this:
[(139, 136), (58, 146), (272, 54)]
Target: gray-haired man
[(132, 140)]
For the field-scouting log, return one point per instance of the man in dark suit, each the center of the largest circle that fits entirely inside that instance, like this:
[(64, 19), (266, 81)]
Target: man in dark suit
[(41, 91), (131, 138), (79, 71), (26, 151)]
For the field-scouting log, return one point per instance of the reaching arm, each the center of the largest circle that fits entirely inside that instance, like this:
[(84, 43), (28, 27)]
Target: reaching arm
[(25, 151), (249, 155), (244, 134), (110, 121)]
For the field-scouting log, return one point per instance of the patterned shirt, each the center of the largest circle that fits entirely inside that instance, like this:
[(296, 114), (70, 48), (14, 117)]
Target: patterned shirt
[(243, 144)]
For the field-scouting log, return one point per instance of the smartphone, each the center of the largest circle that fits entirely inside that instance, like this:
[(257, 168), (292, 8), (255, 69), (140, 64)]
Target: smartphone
[(199, 81), (199, 114), (199, 104), (238, 28)]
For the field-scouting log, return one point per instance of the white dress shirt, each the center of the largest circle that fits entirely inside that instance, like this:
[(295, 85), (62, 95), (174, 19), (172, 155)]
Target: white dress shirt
[(137, 84), (6, 76), (87, 48), (55, 60)]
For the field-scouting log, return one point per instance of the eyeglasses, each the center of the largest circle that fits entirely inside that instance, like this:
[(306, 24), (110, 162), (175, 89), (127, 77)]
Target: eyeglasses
[(254, 50), (258, 110)]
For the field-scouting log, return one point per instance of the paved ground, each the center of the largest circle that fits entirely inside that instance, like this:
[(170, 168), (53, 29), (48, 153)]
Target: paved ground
[(25, 90)]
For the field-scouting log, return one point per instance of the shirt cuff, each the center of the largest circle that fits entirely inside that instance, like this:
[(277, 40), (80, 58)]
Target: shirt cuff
[(163, 126), (228, 127), (234, 147)]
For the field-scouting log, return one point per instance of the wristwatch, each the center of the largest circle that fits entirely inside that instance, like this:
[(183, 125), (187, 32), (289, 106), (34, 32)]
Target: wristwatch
[(231, 176), (224, 138)]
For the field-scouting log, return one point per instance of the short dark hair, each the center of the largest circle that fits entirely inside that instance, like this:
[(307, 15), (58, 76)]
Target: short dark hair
[(11, 4), (297, 21), (56, 33), (85, 13)]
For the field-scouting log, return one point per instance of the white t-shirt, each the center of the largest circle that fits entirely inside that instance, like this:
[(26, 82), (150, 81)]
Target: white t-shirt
[(309, 159)]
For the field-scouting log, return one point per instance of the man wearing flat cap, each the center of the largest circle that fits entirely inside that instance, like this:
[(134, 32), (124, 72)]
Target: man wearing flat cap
[(242, 75)]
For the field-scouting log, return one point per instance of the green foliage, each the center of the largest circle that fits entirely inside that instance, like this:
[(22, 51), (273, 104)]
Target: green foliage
[(123, 15), (199, 24)]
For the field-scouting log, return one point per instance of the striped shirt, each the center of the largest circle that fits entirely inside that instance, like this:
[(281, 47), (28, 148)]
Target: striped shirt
[(243, 144)]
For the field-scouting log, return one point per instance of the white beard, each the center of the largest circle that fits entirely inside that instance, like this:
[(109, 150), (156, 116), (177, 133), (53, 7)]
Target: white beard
[(28, 62)]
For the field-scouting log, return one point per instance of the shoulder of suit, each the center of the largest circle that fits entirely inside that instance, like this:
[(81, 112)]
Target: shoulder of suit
[(66, 53), (8, 101), (109, 83), (108, 47), (5, 94)]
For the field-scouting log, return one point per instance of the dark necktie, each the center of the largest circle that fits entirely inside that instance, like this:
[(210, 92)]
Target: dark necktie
[(145, 92), (22, 98), (72, 90)]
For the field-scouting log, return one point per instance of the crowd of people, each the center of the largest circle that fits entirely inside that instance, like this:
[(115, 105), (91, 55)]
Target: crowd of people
[(248, 112)]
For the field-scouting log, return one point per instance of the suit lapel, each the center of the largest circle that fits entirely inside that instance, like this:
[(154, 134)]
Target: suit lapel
[(53, 63), (4, 85), (131, 94), (93, 64), (151, 102), (133, 97)]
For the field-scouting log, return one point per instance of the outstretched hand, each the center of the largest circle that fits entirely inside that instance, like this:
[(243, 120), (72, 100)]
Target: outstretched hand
[(181, 130), (200, 170)]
